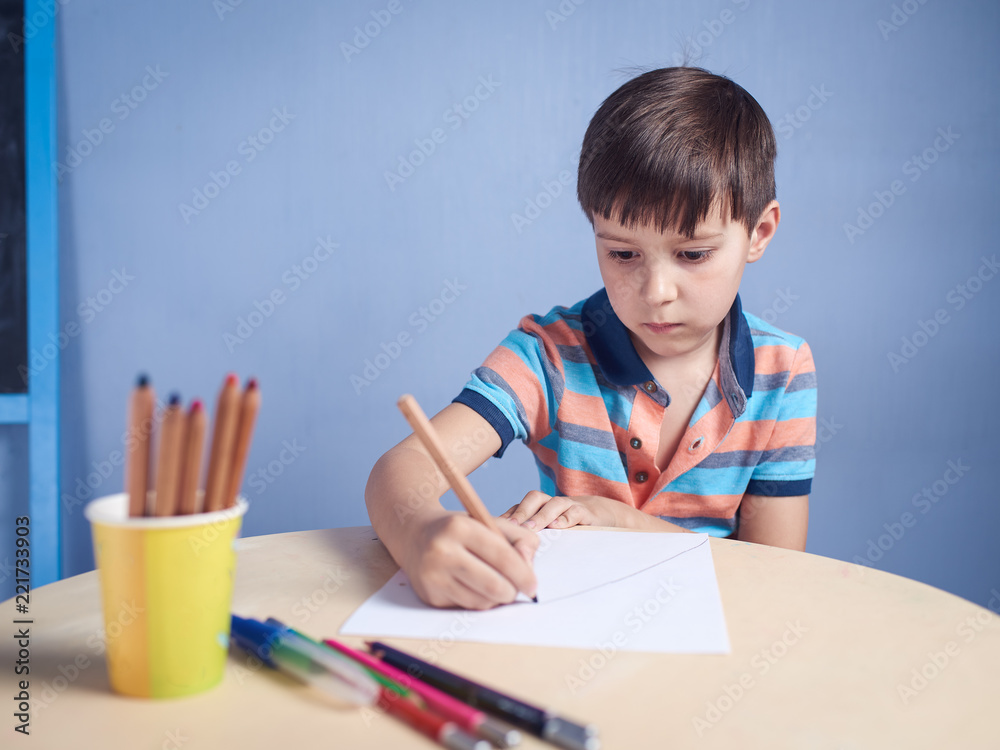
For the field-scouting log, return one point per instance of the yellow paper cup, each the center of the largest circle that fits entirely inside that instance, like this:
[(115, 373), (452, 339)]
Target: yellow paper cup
[(167, 590)]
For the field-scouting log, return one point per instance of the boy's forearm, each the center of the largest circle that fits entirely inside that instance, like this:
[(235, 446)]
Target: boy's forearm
[(629, 518), (403, 489)]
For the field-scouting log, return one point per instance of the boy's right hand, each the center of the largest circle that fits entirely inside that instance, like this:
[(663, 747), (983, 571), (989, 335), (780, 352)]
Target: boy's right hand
[(455, 561)]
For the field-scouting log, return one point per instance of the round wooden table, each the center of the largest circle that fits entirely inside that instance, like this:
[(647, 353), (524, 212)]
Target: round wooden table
[(825, 654)]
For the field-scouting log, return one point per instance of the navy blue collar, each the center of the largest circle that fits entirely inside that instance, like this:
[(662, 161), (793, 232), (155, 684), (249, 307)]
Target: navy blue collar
[(621, 364)]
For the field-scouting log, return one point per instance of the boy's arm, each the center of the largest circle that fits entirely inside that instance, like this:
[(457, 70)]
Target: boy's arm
[(775, 521), (451, 559)]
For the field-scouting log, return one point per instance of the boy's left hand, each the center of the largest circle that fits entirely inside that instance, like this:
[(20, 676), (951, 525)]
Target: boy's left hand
[(539, 511)]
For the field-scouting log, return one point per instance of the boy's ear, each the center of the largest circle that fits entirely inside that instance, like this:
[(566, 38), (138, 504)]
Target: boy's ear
[(767, 225)]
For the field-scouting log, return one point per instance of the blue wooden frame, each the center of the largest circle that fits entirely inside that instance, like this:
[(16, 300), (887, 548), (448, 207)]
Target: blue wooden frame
[(39, 408)]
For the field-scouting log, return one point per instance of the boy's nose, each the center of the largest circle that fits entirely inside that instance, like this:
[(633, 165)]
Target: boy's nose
[(658, 285)]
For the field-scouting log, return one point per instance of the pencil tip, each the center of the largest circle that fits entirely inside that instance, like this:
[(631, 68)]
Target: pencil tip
[(196, 405), (175, 398), (252, 384), (142, 381), (231, 379), (534, 599)]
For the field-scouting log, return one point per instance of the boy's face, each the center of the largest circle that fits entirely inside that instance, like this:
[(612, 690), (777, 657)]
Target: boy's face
[(672, 292)]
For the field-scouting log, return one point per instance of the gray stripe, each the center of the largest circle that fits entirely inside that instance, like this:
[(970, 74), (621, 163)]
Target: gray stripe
[(493, 378), (696, 521), (769, 334), (571, 353), (730, 459), (802, 382), (770, 382), (712, 394), (789, 453), (586, 435)]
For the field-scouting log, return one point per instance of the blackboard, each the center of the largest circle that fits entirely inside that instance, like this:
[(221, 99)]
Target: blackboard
[(13, 257)]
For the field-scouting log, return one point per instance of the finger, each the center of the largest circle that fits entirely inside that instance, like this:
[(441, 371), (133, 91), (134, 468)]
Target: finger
[(548, 513), (575, 515), (524, 541), (504, 559), (507, 513), (529, 506), (480, 586), (453, 593)]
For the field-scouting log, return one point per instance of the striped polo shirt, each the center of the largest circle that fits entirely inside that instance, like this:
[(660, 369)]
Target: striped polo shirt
[(572, 387)]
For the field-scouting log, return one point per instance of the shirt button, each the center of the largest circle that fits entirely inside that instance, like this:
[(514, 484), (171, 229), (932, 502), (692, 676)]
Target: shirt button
[(650, 386), (641, 476), (635, 443)]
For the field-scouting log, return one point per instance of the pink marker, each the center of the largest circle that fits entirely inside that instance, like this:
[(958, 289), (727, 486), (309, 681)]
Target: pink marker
[(465, 716)]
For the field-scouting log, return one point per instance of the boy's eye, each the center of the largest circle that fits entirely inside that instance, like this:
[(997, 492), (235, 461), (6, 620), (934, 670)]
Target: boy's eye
[(621, 256), (695, 256)]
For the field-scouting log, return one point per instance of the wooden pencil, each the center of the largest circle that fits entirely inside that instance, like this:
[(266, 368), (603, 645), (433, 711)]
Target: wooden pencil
[(194, 441), (140, 427), (249, 406), (168, 465), (223, 439), (425, 431)]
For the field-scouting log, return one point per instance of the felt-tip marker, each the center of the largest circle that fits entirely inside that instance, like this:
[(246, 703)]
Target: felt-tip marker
[(537, 721)]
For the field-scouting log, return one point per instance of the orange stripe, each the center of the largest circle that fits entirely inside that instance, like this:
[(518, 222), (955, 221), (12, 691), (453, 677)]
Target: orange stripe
[(684, 505), (772, 359), (586, 411)]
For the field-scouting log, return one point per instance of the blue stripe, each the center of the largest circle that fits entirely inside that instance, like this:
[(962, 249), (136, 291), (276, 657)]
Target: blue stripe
[(780, 406), (729, 480), (786, 470), (580, 379)]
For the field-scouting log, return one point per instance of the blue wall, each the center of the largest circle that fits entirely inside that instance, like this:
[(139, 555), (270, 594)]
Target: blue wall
[(859, 92)]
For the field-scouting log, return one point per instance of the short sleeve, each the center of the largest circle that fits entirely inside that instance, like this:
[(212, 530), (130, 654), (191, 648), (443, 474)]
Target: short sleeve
[(788, 462), (512, 389)]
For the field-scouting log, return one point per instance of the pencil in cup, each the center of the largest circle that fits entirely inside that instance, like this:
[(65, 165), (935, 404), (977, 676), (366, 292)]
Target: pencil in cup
[(217, 481), (140, 427), (179, 457), (427, 435)]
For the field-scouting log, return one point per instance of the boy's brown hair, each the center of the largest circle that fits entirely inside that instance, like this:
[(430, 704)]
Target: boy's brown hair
[(670, 146)]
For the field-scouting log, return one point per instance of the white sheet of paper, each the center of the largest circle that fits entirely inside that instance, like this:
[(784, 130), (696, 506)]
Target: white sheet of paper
[(596, 589)]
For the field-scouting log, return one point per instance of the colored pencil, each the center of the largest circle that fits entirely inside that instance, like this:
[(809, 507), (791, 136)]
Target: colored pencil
[(168, 465), (437, 728), (535, 720), (281, 647), (468, 718), (140, 427), (223, 440), (194, 440), (249, 406)]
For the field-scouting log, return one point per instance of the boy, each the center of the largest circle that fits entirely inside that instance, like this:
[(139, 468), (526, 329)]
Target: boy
[(654, 404)]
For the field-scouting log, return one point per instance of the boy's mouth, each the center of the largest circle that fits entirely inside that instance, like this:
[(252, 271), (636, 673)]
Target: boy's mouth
[(661, 327)]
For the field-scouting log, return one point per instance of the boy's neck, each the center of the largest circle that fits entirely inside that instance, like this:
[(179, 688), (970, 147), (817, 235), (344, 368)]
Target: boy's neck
[(698, 363)]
